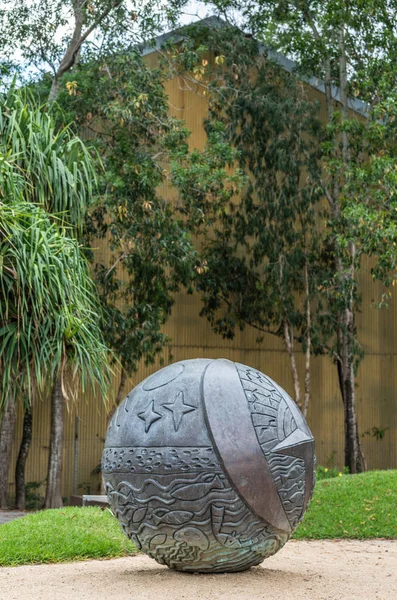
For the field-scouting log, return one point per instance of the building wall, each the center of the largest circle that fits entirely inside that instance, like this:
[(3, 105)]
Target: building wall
[(192, 337)]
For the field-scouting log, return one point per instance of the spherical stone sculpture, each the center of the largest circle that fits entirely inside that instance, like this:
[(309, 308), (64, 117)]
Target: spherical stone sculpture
[(209, 466)]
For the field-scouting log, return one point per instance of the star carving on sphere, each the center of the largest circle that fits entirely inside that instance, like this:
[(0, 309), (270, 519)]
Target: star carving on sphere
[(178, 409), (149, 415)]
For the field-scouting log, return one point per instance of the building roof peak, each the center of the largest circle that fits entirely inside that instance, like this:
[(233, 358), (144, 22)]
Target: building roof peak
[(215, 22)]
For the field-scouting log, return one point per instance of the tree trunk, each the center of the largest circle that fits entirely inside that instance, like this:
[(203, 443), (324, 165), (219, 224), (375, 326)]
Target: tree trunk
[(78, 38), (7, 433), (328, 88), (118, 399), (71, 53), (120, 394), (308, 343), (289, 338), (54, 91), (344, 99), (295, 376), (354, 459), (20, 492), (53, 497)]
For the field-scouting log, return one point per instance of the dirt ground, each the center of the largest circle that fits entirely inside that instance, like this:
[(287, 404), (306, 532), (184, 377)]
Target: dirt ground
[(339, 570)]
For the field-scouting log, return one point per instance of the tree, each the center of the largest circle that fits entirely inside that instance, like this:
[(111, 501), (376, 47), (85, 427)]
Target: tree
[(351, 47), (123, 105), (262, 250), (54, 35), (49, 314), (53, 169)]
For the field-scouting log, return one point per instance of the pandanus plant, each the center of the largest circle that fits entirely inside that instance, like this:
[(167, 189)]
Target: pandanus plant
[(49, 309)]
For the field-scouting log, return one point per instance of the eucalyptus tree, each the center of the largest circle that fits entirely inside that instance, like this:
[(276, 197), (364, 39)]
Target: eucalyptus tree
[(350, 47), (50, 37), (51, 169), (262, 249)]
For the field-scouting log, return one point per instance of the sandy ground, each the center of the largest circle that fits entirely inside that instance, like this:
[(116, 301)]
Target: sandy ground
[(301, 570)]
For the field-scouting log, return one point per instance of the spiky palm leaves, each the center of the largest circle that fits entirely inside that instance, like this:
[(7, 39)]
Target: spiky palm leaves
[(48, 305), (49, 312), (56, 167)]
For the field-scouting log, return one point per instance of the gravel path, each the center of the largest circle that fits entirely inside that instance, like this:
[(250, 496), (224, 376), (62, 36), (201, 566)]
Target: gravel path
[(9, 515), (326, 570)]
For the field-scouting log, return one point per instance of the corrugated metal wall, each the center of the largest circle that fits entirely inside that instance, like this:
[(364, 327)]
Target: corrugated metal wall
[(192, 337)]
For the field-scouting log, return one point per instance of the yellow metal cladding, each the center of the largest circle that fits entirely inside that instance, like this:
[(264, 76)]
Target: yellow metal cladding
[(192, 337)]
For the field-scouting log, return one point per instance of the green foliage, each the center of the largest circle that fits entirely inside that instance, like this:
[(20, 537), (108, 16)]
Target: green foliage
[(62, 535), (329, 472), (123, 105), (377, 432), (207, 181), (34, 500), (48, 306), (55, 168), (39, 32), (262, 250), (358, 154), (352, 507), (351, 47), (273, 226)]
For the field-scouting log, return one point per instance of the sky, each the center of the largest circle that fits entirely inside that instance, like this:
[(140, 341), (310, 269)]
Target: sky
[(193, 11)]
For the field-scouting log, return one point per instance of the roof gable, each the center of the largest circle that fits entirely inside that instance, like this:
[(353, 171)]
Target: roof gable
[(215, 22)]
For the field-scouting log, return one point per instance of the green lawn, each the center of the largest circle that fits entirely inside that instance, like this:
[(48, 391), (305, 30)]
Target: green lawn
[(359, 506), (65, 534), (352, 506)]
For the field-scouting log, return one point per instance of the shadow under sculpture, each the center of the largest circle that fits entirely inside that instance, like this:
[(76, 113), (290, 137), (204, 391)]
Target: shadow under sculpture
[(209, 466)]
